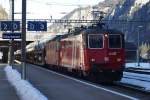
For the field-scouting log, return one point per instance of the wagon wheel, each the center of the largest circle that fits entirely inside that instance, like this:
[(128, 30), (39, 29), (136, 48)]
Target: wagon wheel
[(80, 73)]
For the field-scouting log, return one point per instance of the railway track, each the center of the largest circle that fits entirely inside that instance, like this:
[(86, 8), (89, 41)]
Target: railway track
[(136, 85), (138, 70), (132, 87), (136, 75), (117, 84), (126, 85)]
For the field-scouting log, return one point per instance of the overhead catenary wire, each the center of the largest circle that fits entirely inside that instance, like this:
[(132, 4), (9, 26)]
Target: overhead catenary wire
[(129, 2), (80, 21), (59, 4)]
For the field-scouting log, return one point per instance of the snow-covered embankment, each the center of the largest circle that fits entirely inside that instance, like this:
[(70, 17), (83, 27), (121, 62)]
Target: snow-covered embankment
[(24, 89)]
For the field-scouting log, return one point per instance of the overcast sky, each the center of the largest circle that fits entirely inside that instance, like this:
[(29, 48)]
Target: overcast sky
[(43, 9)]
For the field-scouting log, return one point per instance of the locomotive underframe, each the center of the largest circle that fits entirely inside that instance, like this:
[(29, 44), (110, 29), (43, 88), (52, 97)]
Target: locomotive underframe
[(106, 74)]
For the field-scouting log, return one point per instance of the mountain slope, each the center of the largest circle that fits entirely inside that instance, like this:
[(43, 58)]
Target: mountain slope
[(124, 15)]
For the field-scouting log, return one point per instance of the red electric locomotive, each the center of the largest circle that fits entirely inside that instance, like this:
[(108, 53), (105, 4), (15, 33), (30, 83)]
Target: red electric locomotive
[(89, 51)]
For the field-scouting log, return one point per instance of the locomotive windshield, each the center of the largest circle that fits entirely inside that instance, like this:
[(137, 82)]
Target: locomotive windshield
[(95, 41), (115, 41)]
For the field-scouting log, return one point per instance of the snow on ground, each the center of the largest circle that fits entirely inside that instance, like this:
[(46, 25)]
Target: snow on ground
[(144, 77), (24, 89), (140, 80), (135, 65)]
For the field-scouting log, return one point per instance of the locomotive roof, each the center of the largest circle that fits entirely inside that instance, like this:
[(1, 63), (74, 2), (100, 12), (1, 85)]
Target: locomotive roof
[(88, 31), (97, 28), (102, 30)]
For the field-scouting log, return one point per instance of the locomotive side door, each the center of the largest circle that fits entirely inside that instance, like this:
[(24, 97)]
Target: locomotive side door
[(76, 51), (73, 52), (58, 50)]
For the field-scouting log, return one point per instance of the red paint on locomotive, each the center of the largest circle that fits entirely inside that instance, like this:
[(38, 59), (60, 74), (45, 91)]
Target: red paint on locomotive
[(88, 52)]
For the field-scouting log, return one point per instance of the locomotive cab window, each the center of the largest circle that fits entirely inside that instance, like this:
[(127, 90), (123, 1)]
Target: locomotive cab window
[(95, 41), (115, 41)]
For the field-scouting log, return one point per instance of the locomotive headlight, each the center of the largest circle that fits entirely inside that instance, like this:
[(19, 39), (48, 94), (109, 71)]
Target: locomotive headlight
[(106, 35), (92, 60), (106, 59), (118, 59)]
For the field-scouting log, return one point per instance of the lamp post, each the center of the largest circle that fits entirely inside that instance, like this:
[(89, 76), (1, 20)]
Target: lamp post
[(11, 42), (23, 43), (138, 45)]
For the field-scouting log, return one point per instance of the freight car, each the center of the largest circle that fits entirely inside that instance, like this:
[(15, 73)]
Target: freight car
[(35, 51)]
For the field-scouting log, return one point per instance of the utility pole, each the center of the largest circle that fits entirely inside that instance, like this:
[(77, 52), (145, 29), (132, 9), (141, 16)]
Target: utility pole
[(11, 49), (138, 47), (23, 43)]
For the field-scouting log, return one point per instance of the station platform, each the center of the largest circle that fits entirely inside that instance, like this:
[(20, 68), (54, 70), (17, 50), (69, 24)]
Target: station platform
[(7, 92), (56, 86)]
